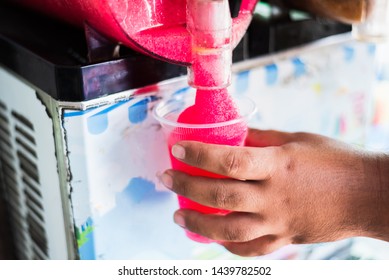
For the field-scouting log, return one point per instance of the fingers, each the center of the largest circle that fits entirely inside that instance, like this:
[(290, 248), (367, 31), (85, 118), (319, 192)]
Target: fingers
[(260, 246), (228, 194), (265, 138), (243, 163), (233, 227), (242, 234)]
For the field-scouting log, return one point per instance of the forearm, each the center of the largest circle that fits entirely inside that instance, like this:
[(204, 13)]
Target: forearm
[(375, 210)]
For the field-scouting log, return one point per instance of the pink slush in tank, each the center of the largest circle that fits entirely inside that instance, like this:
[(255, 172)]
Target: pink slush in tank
[(154, 27), (197, 33)]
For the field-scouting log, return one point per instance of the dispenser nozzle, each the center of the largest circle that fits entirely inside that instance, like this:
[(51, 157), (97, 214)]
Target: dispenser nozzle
[(210, 26)]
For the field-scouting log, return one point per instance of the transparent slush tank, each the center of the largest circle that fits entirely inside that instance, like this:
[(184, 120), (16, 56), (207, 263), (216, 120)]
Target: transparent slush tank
[(154, 27)]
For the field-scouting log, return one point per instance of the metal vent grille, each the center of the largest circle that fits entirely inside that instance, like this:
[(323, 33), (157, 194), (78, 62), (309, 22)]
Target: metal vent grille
[(9, 175), (22, 184)]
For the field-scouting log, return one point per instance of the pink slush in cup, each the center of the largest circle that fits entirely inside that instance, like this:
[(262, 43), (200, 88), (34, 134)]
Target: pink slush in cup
[(232, 132)]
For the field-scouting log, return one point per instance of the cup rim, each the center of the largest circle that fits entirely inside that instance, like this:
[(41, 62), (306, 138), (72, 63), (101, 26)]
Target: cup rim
[(164, 121)]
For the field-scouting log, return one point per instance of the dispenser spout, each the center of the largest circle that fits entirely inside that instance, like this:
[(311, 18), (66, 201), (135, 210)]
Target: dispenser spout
[(209, 24)]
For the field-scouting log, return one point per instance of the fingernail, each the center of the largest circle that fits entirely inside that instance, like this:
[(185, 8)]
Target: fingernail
[(179, 220), (166, 180), (178, 152)]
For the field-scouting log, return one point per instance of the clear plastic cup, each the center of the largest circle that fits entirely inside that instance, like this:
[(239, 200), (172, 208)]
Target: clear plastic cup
[(375, 26), (231, 133)]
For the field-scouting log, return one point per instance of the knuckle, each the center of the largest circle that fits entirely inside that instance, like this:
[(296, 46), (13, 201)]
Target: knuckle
[(235, 234), (183, 188), (217, 196), (272, 166), (221, 197), (193, 222), (288, 161), (231, 163), (299, 239), (182, 184), (235, 162), (199, 156)]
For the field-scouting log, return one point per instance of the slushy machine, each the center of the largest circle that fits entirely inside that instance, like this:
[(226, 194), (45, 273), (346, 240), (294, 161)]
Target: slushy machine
[(79, 148)]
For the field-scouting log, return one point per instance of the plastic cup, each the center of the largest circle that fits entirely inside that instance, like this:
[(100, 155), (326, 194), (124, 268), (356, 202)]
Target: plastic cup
[(231, 133)]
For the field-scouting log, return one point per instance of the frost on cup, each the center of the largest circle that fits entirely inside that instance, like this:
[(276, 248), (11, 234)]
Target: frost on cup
[(232, 132)]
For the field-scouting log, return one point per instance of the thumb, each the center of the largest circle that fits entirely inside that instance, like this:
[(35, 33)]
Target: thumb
[(265, 138)]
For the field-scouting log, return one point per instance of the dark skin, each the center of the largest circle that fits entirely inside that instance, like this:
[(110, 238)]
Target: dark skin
[(283, 188)]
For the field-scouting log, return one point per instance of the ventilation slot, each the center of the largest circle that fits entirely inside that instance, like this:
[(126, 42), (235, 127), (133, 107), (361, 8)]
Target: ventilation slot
[(28, 167), (23, 120), (20, 176), (27, 157), (5, 138), (9, 176)]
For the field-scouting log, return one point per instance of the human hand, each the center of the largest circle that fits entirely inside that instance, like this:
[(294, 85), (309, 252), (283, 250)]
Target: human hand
[(282, 188)]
